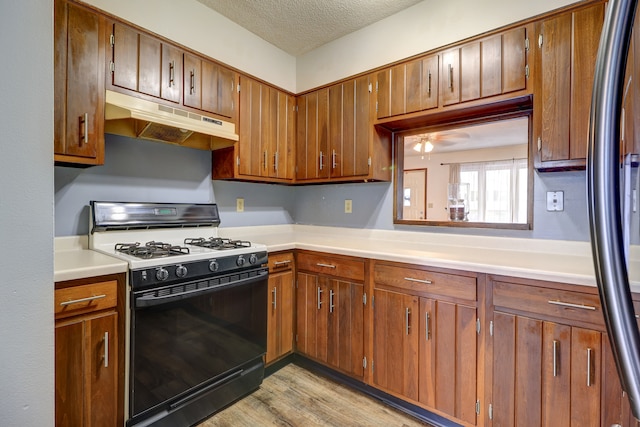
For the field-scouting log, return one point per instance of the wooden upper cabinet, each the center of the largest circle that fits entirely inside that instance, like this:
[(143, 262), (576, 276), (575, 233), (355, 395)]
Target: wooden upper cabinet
[(79, 85), (450, 77), (171, 73), (124, 42), (312, 145), (266, 130), (218, 89), (408, 88), (192, 81), (567, 49), (514, 61)]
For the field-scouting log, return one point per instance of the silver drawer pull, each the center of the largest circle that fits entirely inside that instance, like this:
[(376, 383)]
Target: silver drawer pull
[(281, 263), (568, 304), (275, 297), (106, 349), (331, 306), (411, 279), (319, 297), (589, 367), (78, 301), (556, 346), (427, 326), (325, 265), (407, 313)]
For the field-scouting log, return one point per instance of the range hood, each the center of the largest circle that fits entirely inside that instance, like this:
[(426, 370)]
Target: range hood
[(138, 118)]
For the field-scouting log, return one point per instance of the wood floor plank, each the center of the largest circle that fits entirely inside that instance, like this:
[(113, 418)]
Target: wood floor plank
[(294, 397)]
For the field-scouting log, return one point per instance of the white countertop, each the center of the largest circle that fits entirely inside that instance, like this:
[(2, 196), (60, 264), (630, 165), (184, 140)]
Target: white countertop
[(73, 260), (552, 260)]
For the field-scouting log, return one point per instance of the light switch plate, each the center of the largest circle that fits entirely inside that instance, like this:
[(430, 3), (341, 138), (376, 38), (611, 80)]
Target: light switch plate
[(239, 204), (555, 201), (348, 206)]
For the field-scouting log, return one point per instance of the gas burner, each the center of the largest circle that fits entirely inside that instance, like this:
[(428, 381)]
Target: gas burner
[(217, 243), (151, 249)]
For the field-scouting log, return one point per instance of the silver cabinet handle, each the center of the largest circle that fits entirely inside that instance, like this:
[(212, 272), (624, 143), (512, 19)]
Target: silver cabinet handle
[(275, 297), (407, 313), (319, 264), (321, 160), (319, 297), (106, 349), (172, 72), (589, 367), (556, 345), (331, 306), (429, 88), (427, 326), (568, 304), (84, 121), (192, 82), (80, 300), (450, 77), (281, 263), (275, 162), (411, 279), (333, 159)]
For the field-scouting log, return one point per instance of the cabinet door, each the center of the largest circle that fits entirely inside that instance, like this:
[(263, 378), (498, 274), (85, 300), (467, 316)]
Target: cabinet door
[(357, 152), (587, 26), (556, 374), (383, 93), (395, 346), (79, 84), (517, 367), (586, 377), (125, 57), (450, 77), (313, 136), (339, 123), (470, 72), (514, 60), (192, 81), (171, 73), (345, 327), (311, 320), (149, 60), (251, 150), (282, 131), (218, 89), (69, 378), (491, 68), (280, 315), (102, 364), (429, 86)]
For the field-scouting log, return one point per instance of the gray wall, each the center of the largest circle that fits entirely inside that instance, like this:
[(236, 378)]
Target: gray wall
[(26, 214), (137, 170)]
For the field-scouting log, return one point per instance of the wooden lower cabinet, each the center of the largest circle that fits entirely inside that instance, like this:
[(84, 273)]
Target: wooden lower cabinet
[(424, 344), (280, 310), (551, 371), (89, 352), (330, 313)]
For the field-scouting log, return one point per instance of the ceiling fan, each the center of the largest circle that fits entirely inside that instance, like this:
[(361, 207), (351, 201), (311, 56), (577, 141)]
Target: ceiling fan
[(425, 143)]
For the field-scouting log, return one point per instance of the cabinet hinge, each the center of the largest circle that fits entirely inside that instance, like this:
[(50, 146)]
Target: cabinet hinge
[(376, 86), (376, 106), (364, 362), (540, 40), (526, 71), (238, 160), (370, 88), (526, 44), (296, 109), (373, 303), (372, 366), (112, 66), (477, 407), (491, 328), (539, 144), (296, 337), (478, 326), (112, 40), (364, 299), (369, 161), (238, 87), (490, 411)]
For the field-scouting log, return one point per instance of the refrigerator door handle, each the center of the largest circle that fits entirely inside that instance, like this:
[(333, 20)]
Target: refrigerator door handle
[(603, 191)]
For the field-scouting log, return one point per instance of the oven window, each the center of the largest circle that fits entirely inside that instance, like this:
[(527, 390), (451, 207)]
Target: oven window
[(193, 341)]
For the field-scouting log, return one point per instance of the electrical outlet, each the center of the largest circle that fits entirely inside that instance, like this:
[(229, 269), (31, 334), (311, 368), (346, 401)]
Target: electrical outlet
[(239, 204), (555, 201), (348, 206)]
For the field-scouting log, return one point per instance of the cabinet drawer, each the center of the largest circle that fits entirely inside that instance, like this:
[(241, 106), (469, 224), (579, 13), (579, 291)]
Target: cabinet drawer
[(414, 279), (346, 268), (564, 304), (85, 298), (280, 262)]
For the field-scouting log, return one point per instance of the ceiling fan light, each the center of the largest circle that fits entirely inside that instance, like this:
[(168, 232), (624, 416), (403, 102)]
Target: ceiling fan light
[(418, 147), (428, 147)]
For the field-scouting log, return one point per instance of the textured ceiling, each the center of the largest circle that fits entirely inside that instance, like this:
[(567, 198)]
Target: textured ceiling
[(298, 26)]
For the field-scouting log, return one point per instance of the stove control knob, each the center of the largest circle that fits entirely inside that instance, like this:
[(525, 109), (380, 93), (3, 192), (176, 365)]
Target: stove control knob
[(181, 271), (213, 266), (240, 261), (162, 274), (253, 258)]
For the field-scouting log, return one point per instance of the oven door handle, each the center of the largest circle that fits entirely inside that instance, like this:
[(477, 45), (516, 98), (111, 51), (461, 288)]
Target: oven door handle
[(154, 300)]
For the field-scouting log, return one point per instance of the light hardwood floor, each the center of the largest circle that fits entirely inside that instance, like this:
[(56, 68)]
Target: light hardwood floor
[(294, 396)]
